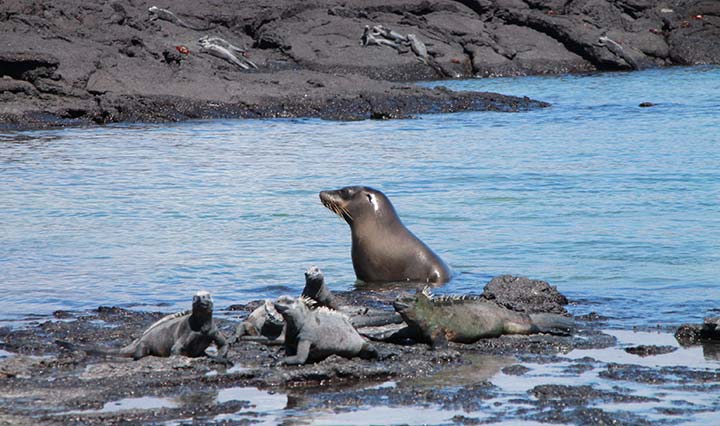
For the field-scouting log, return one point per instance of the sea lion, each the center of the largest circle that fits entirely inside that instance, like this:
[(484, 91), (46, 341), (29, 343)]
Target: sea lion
[(383, 249)]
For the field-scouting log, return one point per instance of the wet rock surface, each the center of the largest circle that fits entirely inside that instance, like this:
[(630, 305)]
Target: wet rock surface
[(41, 382), (525, 295), (68, 63), (694, 334), (650, 350)]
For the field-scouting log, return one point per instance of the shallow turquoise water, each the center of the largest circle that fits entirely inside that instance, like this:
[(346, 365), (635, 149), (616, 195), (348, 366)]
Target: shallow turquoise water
[(612, 203)]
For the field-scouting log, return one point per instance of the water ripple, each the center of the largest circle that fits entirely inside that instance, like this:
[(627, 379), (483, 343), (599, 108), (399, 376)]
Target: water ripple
[(610, 202)]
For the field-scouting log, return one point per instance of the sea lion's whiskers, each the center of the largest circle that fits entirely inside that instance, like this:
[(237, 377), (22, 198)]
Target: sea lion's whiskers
[(346, 212), (337, 208)]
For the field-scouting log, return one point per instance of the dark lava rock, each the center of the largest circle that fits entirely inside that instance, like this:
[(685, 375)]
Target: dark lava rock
[(589, 416), (109, 63), (27, 65), (579, 395), (525, 295), (515, 370), (592, 317), (10, 85), (646, 105), (650, 350), (465, 420), (634, 373), (579, 368), (689, 334), (693, 334), (62, 314)]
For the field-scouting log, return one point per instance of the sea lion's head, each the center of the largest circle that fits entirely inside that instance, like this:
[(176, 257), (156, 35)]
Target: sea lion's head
[(202, 302), (354, 203)]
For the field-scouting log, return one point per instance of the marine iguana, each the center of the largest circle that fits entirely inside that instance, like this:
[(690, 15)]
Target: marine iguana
[(467, 319), (618, 50), (166, 15), (369, 39), (264, 324), (379, 30), (224, 43), (418, 47), (315, 334), (317, 290), (224, 53), (186, 333)]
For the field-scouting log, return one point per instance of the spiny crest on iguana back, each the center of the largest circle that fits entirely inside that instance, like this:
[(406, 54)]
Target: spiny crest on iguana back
[(309, 302), (313, 305), (167, 318), (449, 300)]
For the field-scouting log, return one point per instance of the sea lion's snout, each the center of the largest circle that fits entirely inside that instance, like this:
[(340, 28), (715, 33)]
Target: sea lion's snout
[(336, 203)]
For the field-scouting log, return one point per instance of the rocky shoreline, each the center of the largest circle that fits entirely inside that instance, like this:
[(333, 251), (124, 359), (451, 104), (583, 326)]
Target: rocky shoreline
[(578, 379), (65, 63)]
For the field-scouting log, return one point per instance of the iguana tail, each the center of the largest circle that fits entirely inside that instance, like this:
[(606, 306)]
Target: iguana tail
[(553, 324), (90, 350)]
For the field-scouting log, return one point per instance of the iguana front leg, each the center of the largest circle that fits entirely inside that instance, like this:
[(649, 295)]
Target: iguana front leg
[(301, 355), (140, 351), (178, 348), (222, 348)]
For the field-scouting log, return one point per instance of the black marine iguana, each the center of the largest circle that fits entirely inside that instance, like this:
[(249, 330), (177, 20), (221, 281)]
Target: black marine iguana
[(467, 319), (315, 334), (186, 333)]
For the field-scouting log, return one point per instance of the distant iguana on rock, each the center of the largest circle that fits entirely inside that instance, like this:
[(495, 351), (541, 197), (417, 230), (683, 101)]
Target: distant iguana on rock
[(438, 320), (166, 15), (186, 333), (315, 334)]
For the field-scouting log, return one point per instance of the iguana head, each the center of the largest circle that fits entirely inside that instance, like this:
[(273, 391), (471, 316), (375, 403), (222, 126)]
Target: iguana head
[(314, 274), (202, 302), (294, 310), (415, 309), (273, 314)]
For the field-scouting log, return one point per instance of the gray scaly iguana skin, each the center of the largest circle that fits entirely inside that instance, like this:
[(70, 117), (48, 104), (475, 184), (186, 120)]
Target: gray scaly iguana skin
[(379, 30), (369, 39), (222, 52), (469, 319), (618, 50), (264, 324), (315, 334), (186, 333), (418, 47), (166, 15)]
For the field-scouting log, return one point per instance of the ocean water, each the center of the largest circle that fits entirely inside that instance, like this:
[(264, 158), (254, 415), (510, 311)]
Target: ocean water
[(616, 205)]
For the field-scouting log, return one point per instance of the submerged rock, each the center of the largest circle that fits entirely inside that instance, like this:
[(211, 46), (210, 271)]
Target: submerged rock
[(650, 350)]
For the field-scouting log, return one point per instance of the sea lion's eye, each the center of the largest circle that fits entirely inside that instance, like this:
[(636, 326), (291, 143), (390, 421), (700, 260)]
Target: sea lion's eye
[(369, 197)]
